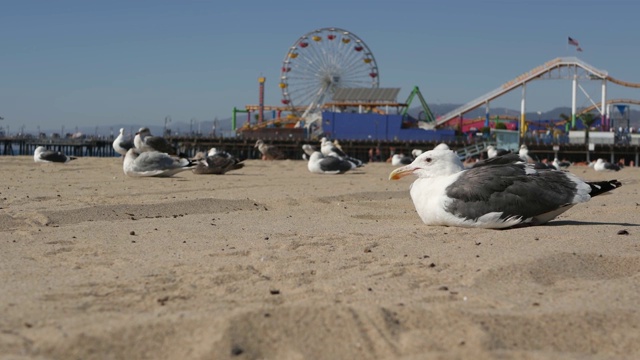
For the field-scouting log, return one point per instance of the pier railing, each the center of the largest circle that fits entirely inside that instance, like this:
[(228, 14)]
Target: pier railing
[(365, 150)]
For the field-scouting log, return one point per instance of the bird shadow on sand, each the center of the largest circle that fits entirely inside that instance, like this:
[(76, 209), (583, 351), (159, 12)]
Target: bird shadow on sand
[(573, 222)]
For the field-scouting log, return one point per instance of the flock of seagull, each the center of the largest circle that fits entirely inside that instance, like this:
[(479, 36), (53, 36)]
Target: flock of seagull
[(504, 190)]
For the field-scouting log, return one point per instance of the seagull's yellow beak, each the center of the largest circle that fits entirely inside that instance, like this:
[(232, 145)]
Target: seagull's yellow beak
[(401, 172)]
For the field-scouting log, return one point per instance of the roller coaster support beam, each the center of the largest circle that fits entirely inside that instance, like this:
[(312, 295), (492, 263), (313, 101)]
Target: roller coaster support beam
[(234, 117), (574, 86), (603, 114), (486, 115), (523, 119)]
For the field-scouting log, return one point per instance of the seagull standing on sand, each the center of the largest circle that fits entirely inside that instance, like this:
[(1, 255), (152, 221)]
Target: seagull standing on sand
[(495, 194), (43, 155), (602, 165), (153, 163), (122, 145), (269, 152), (144, 141)]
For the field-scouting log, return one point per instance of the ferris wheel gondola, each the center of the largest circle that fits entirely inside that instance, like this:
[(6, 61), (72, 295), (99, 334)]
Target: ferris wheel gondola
[(320, 62)]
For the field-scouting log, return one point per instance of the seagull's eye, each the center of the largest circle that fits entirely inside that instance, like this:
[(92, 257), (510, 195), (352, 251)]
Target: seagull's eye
[(427, 159)]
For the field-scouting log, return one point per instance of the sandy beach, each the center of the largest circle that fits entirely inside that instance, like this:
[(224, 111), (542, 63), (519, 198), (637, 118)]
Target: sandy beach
[(273, 262)]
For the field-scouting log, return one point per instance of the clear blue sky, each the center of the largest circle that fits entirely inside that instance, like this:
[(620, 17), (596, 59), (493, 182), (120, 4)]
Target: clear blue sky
[(95, 63)]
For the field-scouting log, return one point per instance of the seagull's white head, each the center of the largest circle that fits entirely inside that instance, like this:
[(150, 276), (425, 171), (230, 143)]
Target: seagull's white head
[(441, 146), (308, 149), (430, 164), (143, 132), (315, 156)]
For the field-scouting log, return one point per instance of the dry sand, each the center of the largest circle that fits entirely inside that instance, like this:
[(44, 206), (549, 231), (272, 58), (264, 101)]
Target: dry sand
[(273, 262)]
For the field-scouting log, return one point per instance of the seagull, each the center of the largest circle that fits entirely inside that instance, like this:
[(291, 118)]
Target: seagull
[(308, 151), (216, 162), (144, 141), (400, 159), (560, 165), (416, 152), (43, 155), (153, 163), (320, 164), (499, 194), (328, 148), (441, 146), (492, 151), (602, 165), (524, 154), (122, 145), (269, 152)]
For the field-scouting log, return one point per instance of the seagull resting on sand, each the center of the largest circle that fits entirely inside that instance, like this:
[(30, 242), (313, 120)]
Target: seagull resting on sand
[(495, 194)]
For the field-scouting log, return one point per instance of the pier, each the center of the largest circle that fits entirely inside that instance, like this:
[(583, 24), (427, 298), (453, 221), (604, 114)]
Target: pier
[(361, 149)]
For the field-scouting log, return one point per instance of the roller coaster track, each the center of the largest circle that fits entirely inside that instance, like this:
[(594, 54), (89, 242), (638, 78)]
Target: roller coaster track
[(556, 68), (609, 102)]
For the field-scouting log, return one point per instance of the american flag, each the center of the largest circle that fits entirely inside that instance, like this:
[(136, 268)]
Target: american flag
[(573, 42)]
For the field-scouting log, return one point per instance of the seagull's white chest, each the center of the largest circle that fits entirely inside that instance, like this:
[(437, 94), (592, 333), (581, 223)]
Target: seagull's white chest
[(430, 199)]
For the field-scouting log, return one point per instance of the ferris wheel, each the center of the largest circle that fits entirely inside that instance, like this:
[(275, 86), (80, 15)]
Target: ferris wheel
[(321, 61)]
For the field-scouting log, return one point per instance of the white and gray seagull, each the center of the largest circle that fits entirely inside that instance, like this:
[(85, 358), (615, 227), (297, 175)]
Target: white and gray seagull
[(121, 145), (217, 162), (43, 155), (602, 165), (320, 164), (328, 148), (401, 159), (144, 141), (153, 164), (269, 152), (498, 193), (560, 165), (492, 151)]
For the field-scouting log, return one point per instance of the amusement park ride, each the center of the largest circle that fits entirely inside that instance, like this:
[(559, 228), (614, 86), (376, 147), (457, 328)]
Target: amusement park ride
[(325, 64)]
